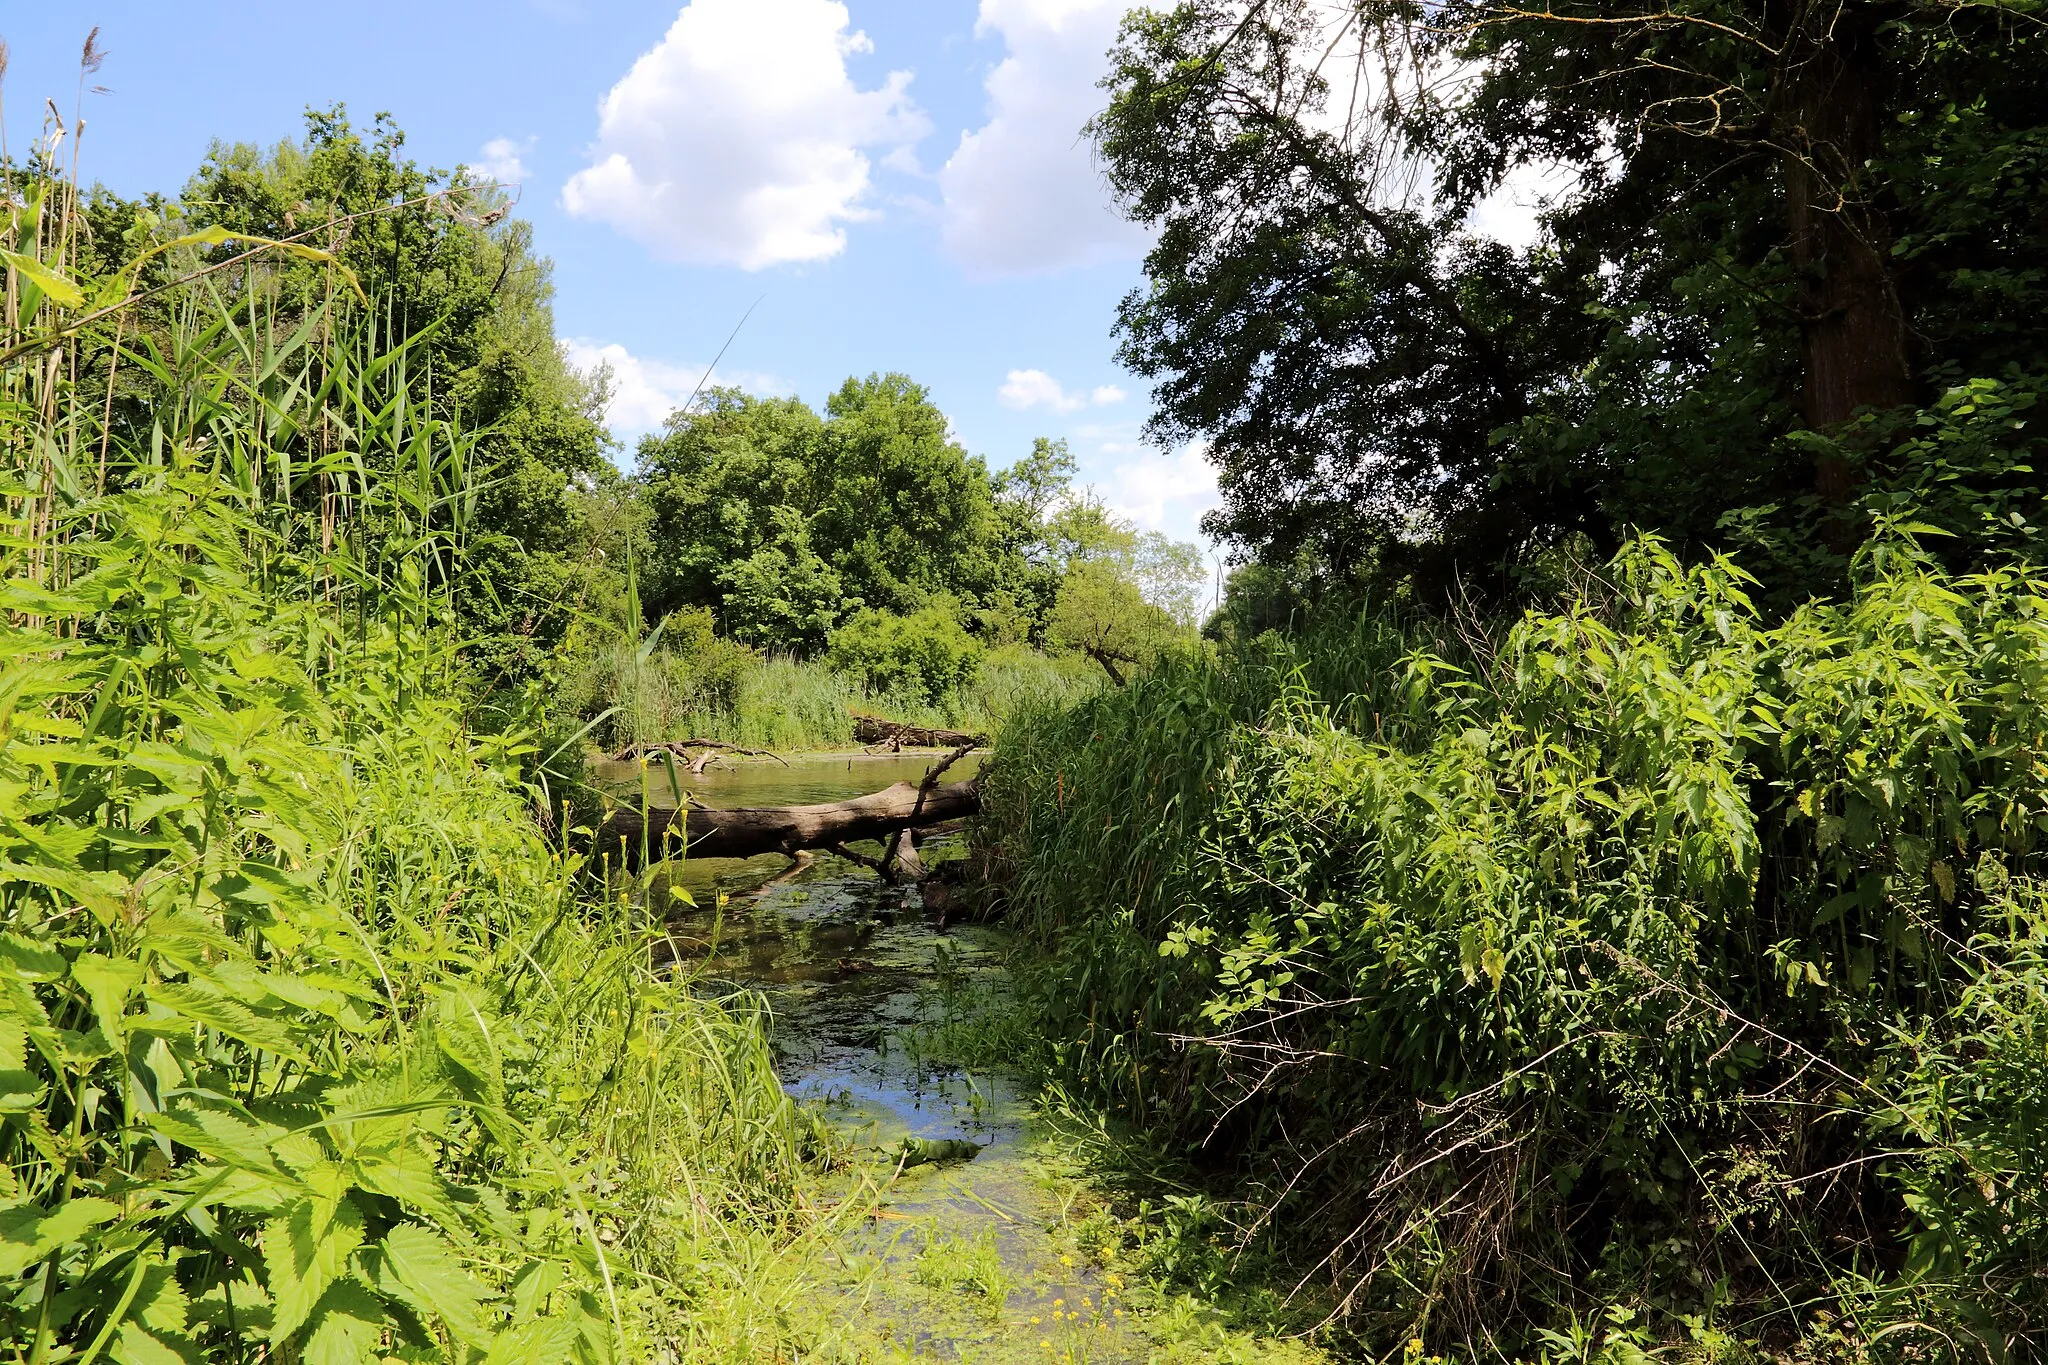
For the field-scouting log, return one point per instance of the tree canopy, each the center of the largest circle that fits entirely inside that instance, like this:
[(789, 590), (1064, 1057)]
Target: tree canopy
[(1767, 221)]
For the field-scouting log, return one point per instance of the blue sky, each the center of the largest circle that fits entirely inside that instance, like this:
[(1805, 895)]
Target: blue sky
[(900, 184)]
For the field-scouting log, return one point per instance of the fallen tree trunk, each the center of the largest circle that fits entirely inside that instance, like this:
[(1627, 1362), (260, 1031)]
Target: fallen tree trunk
[(895, 733), (746, 831), (680, 748)]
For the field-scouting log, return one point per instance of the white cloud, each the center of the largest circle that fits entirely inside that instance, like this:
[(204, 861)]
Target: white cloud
[(740, 138), (1164, 490), (1036, 389), (503, 160), (645, 391), (1022, 193)]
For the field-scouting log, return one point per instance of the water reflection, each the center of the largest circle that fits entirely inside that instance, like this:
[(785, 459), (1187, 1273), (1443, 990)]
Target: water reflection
[(850, 968), (840, 955)]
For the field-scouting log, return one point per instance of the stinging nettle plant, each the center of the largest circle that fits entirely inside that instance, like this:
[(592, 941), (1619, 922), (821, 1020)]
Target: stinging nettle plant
[(312, 1047)]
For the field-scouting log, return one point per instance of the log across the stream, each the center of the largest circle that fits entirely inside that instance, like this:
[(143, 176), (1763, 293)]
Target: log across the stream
[(749, 830)]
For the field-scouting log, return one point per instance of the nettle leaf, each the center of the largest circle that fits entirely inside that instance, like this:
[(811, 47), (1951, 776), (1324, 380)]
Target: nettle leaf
[(346, 1328), (83, 887), (232, 1018), (461, 1034), (543, 1342), (108, 982), (418, 1269), (20, 1089), (154, 1330), (304, 1253), (188, 940), (26, 960), (225, 1137), (407, 1174), (29, 1233)]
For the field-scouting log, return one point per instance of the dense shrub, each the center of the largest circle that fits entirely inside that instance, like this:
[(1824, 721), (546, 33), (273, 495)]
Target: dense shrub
[(925, 655), (308, 1040), (1652, 957)]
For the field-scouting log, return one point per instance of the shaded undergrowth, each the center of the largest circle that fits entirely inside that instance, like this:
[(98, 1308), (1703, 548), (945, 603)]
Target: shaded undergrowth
[(1642, 976)]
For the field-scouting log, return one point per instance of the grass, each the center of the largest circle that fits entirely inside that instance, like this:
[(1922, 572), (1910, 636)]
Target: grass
[(963, 1264), (786, 704)]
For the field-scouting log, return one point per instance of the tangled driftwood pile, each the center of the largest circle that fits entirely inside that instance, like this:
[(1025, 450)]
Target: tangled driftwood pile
[(876, 732)]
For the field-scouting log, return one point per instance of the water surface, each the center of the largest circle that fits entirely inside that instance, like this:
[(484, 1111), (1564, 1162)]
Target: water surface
[(856, 973)]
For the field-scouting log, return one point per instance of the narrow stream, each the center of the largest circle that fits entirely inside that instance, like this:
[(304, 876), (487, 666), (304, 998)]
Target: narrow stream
[(971, 1260)]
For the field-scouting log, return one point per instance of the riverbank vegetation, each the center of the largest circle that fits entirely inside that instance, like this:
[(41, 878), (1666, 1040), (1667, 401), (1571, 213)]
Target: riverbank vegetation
[(1586, 902), (313, 1046)]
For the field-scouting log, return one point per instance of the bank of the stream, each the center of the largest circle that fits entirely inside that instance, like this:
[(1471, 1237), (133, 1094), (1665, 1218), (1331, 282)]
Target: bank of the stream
[(903, 1036)]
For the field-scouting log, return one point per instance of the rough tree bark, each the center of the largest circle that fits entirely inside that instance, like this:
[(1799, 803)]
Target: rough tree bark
[(747, 831), (1855, 345)]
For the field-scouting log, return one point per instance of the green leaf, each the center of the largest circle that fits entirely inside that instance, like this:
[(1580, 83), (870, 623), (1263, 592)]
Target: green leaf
[(534, 1343), (346, 1328), (304, 1253), (28, 1233), (60, 289), (20, 1089), (461, 1035), (418, 1269), (407, 1174), (224, 1137), (154, 1330), (231, 1017), (108, 982), (26, 960)]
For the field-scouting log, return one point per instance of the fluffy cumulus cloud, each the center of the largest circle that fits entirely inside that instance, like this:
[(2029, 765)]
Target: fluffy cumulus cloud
[(1164, 490), (646, 391), (741, 138), (1026, 389), (503, 160), (1022, 193)]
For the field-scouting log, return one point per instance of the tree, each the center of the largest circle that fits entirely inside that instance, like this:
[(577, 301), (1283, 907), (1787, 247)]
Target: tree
[(1771, 218), (448, 270), (1100, 612), (786, 522), (925, 654)]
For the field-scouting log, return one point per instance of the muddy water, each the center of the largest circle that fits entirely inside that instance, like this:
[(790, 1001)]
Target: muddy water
[(973, 1260)]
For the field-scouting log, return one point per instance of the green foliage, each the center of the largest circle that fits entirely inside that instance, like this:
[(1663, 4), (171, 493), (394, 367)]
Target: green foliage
[(1966, 471), (785, 523), (312, 1045), (1102, 613), (1644, 954), (1758, 221), (923, 655), (461, 303), (792, 704)]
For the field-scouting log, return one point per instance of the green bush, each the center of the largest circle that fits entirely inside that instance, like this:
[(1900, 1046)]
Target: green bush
[(712, 669), (307, 1036), (924, 655), (1648, 956)]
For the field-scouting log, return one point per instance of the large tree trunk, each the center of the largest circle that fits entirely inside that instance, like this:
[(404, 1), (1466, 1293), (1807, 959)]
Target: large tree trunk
[(1854, 342), (746, 831)]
